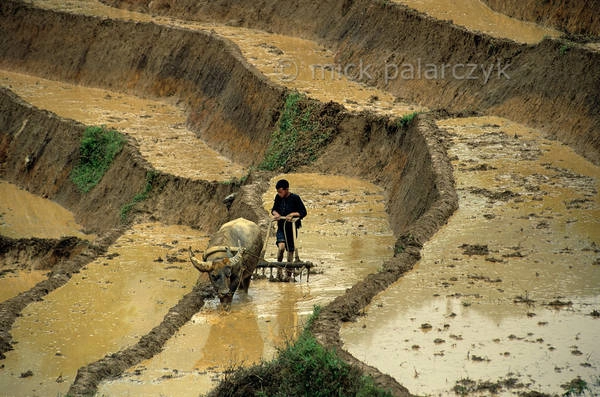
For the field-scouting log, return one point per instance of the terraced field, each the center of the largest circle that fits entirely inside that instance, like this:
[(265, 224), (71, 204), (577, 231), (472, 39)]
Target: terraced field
[(447, 155)]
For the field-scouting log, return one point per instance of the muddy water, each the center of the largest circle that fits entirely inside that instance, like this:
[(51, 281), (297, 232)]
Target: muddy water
[(109, 305), (295, 63), (303, 65), (24, 215), (16, 281), (475, 15), (346, 235), (508, 287), (158, 127)]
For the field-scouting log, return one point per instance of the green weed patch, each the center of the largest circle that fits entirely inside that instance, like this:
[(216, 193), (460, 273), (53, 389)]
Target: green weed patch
[(98, 149), (299, 137), (405, 121)]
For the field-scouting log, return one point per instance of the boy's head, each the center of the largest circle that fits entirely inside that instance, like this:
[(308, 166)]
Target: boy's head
[(282, 187)]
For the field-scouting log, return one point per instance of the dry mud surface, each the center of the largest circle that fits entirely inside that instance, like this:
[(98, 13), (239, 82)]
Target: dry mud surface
[(198, 88)]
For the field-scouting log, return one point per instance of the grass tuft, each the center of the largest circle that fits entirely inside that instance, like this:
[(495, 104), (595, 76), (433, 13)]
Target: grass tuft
[(99, 147), (404, 122), (299, 137), (576, 387)]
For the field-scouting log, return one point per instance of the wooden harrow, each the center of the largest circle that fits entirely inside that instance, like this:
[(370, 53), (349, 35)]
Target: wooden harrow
[(295, 265)]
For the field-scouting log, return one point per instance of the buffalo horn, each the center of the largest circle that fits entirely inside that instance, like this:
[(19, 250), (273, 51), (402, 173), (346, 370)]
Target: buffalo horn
[(200, 265), (238, 256)]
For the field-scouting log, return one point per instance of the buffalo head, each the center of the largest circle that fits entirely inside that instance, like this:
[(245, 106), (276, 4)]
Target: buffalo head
[(224, 273)]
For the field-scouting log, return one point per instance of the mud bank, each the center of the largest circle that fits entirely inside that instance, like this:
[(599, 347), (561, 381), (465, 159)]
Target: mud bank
[(38, 253), (38, 151), (72, 261), (52, 144), (433, 167), (202, 71), (192, 63), (62, 256), (391, 40), (578, 17), (89, 377)]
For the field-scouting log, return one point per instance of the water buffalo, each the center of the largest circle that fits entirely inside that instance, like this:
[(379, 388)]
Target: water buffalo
[(227, 272)]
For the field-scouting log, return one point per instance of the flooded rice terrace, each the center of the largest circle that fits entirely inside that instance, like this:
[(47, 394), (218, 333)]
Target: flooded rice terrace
[(120, 296), (508, 291), (158, 127), (476, 15), (346, 235), (109, 305), (24, 215), (296, 63)]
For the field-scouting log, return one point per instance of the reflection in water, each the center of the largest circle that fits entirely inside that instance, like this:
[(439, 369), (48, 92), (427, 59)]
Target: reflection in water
[(158, 127), (193, 361), (476, 15), (346, 234), (232, 337), (509, 283), (110, 304)]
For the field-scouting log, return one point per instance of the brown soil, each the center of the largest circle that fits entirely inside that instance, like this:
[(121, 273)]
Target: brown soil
[(220, 90), (577, 17), (551, 86), (64, 256), (37, 252)]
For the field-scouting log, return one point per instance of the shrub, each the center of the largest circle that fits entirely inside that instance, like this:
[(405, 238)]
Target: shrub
[(99, 147)]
